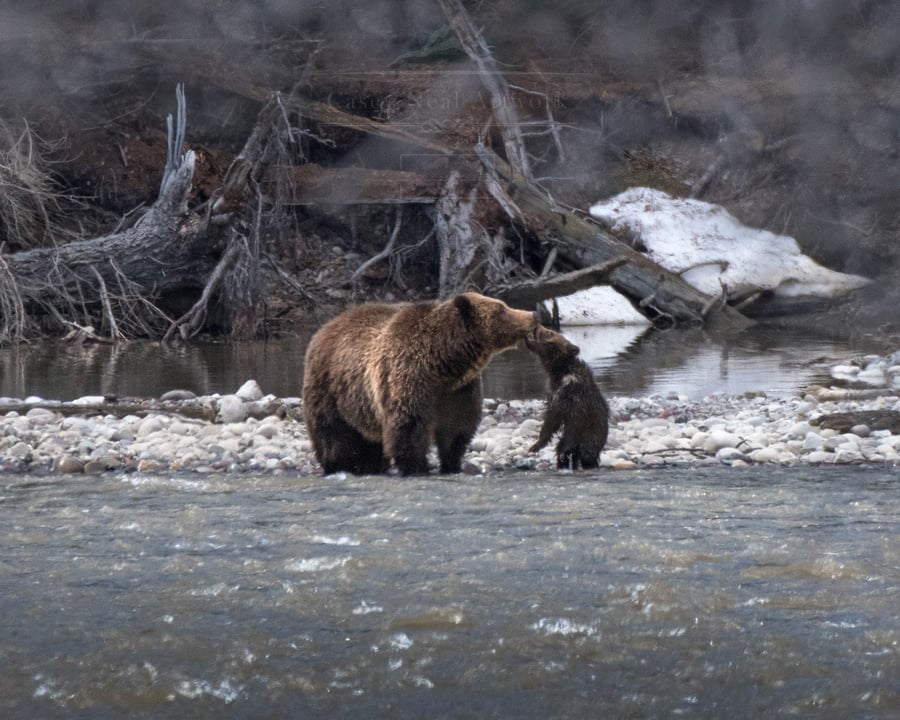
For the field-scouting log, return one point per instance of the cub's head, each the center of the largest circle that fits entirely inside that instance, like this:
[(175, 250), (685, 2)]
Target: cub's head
[(552, 348), (499, 325)]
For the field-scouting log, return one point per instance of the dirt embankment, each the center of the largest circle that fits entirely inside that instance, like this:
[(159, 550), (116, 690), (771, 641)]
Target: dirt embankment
[(788, 116)]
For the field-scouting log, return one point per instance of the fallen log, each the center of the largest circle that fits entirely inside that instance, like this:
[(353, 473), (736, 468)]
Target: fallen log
[(660, 295), (872, 419), (124, 283), (313, 184), (528, 294), (117, 277)]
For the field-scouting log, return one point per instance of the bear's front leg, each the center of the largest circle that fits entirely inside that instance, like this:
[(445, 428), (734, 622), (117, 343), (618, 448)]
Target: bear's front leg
[(553, 421), (458, 414), (406, 441)]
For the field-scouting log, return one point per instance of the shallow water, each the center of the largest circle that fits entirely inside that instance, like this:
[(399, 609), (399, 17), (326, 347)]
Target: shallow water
[(626, 360), (699, 593)]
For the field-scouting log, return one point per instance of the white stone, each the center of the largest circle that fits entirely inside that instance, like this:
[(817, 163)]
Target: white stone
[(765, 455), (655, 446), (813, 441), (20, 451), (720, 439), (149, 425), (249, 391), (817, 457), (89, 400), (842, 457), (699, 439), (528, 428), (230, 409), (842, 372), (872, 375), (729, 455), (798, 430), (267, 430), (848, 442), (41, 416)]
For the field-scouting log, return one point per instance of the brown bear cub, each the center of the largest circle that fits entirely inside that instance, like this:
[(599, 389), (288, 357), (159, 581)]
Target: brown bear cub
[(575, 403), (382, 382)]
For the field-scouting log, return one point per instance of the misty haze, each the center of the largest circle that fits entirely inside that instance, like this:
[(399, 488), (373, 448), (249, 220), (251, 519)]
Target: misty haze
[(702, 195), (785, 114)]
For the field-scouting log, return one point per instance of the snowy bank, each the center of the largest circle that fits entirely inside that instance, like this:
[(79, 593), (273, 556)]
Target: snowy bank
[(709, 247)]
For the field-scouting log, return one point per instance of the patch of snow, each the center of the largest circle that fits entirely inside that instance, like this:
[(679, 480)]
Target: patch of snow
[(681, 233), (709, 247)]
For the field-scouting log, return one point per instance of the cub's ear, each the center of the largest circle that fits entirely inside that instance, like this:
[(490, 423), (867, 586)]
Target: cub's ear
[(466, 309)]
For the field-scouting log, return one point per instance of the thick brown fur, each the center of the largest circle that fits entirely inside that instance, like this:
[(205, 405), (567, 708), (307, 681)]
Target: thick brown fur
[(383, 382), (575, 404)]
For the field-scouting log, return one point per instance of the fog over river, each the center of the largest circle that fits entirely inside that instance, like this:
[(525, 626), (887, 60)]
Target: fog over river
[(708, 593)]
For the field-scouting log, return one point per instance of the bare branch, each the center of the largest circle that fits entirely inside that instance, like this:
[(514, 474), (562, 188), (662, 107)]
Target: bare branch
[(107, 308), (388, 249), (530, 293), (505, 114)]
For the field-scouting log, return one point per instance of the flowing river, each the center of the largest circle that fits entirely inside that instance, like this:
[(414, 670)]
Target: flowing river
[(706, 593)]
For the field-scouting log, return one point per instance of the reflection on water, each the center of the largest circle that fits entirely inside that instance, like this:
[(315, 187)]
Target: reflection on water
[(148, 369), (627, 361), (679, 592), (689, 362)]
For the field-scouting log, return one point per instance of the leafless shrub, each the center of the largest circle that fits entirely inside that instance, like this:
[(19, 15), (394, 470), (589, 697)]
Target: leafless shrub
[(28, 195), (13, 318)]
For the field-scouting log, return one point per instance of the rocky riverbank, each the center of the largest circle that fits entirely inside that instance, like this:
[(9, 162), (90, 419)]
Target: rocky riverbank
[(856, 421)]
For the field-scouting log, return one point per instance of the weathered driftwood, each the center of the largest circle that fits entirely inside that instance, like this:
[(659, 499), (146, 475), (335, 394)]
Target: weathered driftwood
[(202, 409), (657, 293), (873, 419), (458, 237), (123, 279), (824, 394), (166, 251)]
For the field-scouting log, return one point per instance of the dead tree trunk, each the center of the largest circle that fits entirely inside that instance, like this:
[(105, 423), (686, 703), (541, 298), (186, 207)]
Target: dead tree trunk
[(660, 295), (457, 236), (117, 278), (502, 106), (121, 280)]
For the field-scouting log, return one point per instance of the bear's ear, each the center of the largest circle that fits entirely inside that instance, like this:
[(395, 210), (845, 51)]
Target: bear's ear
[(466, 309)]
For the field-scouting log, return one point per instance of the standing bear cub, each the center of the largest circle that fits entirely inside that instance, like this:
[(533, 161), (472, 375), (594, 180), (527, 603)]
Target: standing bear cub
[(382, 382), (575, 404)]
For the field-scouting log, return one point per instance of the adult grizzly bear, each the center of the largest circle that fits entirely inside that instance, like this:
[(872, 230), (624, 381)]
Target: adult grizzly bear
[(383, 381), (575, 404)]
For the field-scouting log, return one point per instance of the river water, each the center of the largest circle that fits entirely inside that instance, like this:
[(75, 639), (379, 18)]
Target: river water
[(627, 361), (747, 593), (707, 593)]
